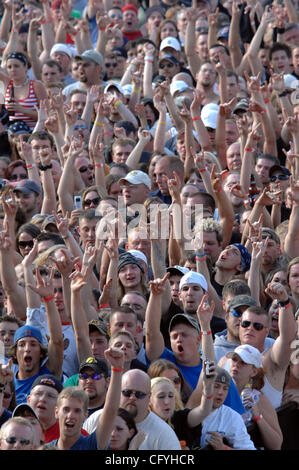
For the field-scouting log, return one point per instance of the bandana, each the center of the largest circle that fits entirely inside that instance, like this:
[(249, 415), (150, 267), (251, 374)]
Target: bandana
[(245, 256), (18, 56)]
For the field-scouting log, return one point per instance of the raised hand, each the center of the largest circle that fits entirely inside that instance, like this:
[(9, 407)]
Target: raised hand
[(277, 291), (205, 311), (157, 286), (44, 286)]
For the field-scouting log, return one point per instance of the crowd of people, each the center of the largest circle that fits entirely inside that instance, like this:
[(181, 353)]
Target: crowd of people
[(149, 223)]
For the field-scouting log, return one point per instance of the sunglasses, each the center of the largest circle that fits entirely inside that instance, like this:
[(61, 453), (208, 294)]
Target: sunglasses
[(94, 376), (6, 395), (114, 15), (169, 65), (256, 325), (110, 65), (22, 176), (80, 126), (58, 290), (95, 201), (236, 313), (279, 177), (23, 244), (138, 395), (83, 169), (12, 440)]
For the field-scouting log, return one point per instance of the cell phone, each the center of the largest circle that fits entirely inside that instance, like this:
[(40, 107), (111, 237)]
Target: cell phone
[(78, 202), (207, 364)]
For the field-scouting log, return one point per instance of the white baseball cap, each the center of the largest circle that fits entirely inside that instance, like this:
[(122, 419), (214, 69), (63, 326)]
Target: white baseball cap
[(170, 42), (137, 177), (115, 85), (60, 47), (138, 254), (193, 277), (178, 85), (248, 354), (209, 115)]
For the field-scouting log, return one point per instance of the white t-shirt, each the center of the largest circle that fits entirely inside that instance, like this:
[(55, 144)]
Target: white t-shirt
[(231, 425), (159, 435)]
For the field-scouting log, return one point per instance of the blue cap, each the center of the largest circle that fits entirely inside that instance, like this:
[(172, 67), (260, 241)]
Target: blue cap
[(245, 256), (26, 331)]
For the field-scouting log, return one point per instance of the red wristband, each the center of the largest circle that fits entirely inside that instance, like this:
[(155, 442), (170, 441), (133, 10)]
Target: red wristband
[(209, 397), (247, 149), (267, 101), (202, 170), (47, 299), (203, 332), (196, 118), (258, 418), (218, 190), (104, 306), (117, 370)]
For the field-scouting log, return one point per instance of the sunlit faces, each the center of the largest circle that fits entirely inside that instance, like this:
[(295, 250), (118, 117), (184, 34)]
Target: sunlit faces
[(207, 75), (233, 87), (168, 29), (28, 203), (295, 59), (154, 20), (231, 132), (63, 59), (43, 400), (230, 181), (123, 321), (294, 279), (95, 388), (185, 341), (125, 343), (249, 334), (16, 70), (174, 281), (38, 145), (202, 46), (211, 245), (87, 231), (280, 62), (233, 157), (271, 254), (130, 21), (86, 170), (191, 296), (121, 152), (138, 242), (130, 276), (25, 243), (120, 435), (134, 193), (28, 355), (220, 394), (136, 302), (230, 259), (88, 71), (172, 375), (50, 74), (135, 380), (240, 371), (78, 101), (162, 400), (161, 170), (71, 416), (274, 314), (17, 436), (7, 332), (98, 343)]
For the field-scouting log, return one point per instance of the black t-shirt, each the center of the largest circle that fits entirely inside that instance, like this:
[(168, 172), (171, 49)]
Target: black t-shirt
[(183, 431)]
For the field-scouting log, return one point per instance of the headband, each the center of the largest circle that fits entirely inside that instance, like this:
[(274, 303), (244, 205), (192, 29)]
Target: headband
[(18, 56)]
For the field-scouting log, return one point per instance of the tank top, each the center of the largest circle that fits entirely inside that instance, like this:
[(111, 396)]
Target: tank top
[(29, 102)]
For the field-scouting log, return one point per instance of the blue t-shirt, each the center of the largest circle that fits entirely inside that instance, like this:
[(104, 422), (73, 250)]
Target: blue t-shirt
[(83, 443), (23, 387), (191, 375)]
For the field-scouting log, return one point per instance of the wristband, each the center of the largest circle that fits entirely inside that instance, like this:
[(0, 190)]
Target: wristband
[(30, 166), (98, 124), (150, 58), (204, 332), (267, 101), (99, 165), (117, 370), (102, 29), (202, 170), (283, 93), (45, 168), (280, 30), (136, 90), (286, 306), (227, 448), (247, 149), (284, 303), (218, 190), (196, 118), (295, 204), (200, 258), (162, 122), (258, 418), (208, 397), (246, 202), (104, 306), (200, 255), (107, 133), (48, 299), (44, 22), (117, 104)]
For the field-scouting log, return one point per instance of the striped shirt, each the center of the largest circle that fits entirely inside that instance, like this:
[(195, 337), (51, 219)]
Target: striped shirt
[(29, 102)]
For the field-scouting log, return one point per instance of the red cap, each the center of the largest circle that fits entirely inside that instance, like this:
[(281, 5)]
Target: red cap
[(130, 7)]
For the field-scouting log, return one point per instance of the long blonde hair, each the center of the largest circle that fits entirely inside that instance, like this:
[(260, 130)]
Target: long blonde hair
[(178, 402)]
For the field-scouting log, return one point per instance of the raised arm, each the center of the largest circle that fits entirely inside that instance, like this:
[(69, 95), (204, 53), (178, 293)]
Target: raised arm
[(154, 341)]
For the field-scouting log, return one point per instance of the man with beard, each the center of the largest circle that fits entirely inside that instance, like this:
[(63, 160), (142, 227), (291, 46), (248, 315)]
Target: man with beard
[(28, 198), (206, 79), (272, 253), (90, 70), (93, 379), (135, 397)]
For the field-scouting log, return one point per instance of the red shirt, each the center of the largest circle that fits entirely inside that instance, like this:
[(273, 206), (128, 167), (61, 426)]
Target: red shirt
[(53, 433)]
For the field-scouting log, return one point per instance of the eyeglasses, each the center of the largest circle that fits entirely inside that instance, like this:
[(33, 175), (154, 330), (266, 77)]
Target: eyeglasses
[(83, 169), (256, 325), (138, 395), (22, 176), (113, 65), (236, 313), (93, 376), (94, 201), (12, 440), (169, 65), (279, 177), (23, 244)]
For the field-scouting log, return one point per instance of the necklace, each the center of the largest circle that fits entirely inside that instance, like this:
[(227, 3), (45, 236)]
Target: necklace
[(23, 84)]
